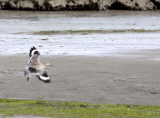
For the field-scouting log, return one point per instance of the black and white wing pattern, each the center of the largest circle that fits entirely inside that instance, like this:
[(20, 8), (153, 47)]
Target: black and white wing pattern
[(34, 56), (44, 77), (36, 68), (29, 71), (33, 51)]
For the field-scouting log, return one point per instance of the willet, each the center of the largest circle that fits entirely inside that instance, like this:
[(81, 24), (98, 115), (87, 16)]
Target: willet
[(36, 68)]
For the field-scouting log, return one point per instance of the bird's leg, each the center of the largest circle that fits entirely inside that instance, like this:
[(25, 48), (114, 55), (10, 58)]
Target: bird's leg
[(27, 79), (37, 75)]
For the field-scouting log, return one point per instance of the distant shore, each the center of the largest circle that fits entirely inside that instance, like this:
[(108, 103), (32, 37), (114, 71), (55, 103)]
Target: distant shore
[(78, 5)]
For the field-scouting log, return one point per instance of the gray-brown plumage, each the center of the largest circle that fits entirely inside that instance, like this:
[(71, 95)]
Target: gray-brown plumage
[(35, 67)]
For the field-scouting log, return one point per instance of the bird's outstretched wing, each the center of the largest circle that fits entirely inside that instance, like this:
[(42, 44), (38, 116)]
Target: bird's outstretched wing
[(33, 51), (34, 56), (44, 77)]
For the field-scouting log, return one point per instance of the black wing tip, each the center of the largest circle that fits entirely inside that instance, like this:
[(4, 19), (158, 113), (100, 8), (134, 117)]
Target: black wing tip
[(33, 47), (36, 52), (47, 81)]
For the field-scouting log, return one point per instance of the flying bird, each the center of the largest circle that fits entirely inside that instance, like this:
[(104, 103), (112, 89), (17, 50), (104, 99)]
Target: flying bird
[(35, 67)]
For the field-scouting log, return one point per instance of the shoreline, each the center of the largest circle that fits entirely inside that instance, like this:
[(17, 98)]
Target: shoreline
[(118, 32)]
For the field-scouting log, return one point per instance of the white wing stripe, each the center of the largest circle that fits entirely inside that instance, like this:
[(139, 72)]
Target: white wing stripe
[(33, 52), (44, 78)]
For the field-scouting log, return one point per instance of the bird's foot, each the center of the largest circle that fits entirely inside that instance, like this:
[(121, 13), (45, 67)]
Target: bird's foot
[(27, 79)]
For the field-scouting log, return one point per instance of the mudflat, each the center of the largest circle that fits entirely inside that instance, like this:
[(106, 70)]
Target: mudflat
[(113, 80)]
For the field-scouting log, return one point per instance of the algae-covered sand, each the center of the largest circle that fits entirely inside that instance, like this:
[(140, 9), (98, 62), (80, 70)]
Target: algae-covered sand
[(56, 109), (85, 32)]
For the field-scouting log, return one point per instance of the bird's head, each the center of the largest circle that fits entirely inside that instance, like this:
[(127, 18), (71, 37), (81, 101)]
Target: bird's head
[(46, 64)]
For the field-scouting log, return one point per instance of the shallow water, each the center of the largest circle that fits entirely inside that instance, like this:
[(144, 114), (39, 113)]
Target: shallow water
[(17, 28)]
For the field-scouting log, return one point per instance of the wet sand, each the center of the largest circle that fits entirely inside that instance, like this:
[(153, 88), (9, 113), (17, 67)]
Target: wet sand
[(130, 79)]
